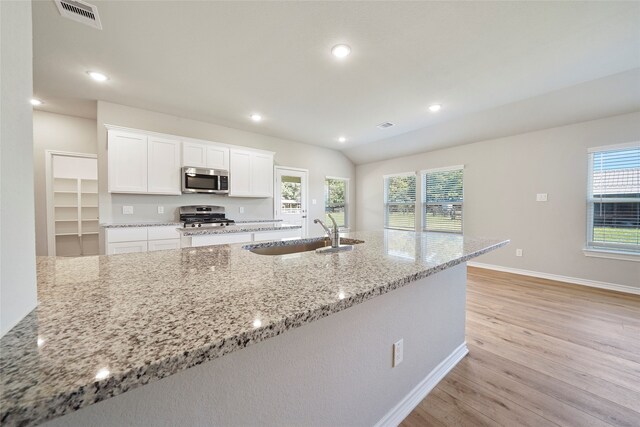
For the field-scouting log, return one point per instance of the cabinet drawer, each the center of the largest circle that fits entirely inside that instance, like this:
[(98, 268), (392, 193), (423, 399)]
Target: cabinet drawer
[(277, 235), (128, 234), (126, 247), (164, 232), (161, 245), (221, 239)]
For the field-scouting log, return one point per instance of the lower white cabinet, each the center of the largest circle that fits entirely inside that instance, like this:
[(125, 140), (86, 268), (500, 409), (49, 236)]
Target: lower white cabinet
[(220, 239), (141, 239), (161, 245), (126, 247)]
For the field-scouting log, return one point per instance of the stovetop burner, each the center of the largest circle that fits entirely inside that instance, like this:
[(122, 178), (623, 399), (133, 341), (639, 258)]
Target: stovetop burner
[(204, 216)]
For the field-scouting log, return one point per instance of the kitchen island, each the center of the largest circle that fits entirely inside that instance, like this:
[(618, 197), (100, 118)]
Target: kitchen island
[(293, 353)]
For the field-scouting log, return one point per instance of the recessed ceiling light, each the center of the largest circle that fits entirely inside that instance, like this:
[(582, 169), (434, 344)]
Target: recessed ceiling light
[(341, 50), (35, 101), (435, 107), (342, 139), (102, 374), (256, 117), (99, 77)]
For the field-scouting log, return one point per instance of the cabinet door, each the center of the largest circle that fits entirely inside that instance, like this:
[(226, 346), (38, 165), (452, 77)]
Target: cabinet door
[(217, 157), (261, 175), (162, 245), (163, 166), (126, 247), (127, 162), (240, 173), (194, 154)]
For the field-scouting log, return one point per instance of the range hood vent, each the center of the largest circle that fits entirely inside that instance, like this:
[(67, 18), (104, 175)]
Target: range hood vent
[(385, 125), (79, 11)]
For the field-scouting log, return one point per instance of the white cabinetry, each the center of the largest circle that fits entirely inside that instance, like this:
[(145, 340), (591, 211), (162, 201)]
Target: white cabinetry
[(250, 173), (139, 163), (205, 155), (141, 239)]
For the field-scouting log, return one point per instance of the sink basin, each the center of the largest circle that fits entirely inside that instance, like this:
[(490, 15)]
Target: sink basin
[(302, 245)]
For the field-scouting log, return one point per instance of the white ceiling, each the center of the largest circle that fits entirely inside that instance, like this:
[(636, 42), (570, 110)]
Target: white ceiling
[(497, 68)]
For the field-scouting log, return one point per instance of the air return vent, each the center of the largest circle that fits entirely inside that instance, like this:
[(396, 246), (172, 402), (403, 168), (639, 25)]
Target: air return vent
[(79, 11), (385, 125)]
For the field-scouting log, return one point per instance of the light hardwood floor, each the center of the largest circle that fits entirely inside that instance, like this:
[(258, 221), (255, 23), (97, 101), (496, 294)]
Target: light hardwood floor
[(541, 353)]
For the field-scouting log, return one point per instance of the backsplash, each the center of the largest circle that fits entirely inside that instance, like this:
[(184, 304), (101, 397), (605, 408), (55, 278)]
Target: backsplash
[(145, 207)]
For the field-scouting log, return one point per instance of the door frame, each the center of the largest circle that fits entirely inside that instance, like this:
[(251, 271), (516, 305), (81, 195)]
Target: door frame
[(48, 171), (305, 188)]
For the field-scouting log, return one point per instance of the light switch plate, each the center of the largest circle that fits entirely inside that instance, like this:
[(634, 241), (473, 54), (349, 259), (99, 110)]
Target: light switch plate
[(127, 210), (541, 197), (241, 209), (398, 352), (314, 201)]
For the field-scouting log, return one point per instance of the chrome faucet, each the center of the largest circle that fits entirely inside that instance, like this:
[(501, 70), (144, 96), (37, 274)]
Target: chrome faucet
[(334, 234)]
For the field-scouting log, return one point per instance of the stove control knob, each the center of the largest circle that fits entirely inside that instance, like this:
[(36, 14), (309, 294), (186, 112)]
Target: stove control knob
[(199, 225)]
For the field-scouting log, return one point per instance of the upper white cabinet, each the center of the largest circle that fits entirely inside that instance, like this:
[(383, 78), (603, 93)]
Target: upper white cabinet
[(140, 163), (250, 173), (163, 166), (127, 157), (205, 155)]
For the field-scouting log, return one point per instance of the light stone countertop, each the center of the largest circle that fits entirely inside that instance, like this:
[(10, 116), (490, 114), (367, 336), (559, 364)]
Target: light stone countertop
[(251, 221), (242, 228), (108, 324), (141, 224)]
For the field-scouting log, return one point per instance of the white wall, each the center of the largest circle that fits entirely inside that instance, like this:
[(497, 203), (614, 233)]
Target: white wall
[(320, 161), (62, 133), (17, 236), (501, 179)]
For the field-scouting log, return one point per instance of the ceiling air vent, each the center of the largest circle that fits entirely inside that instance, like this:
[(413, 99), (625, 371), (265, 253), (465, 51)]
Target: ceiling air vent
[(79, 11), (385, 125)]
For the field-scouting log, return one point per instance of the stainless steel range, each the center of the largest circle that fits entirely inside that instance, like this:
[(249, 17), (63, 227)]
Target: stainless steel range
[(204, 216)]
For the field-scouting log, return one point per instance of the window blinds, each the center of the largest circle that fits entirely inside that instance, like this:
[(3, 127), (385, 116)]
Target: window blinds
[(614, 199), (442, 197), (400, 201)]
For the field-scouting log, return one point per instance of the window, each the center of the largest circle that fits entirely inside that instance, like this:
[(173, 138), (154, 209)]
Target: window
[(613, 214), (442, 199), (336, 192), (400, 201)]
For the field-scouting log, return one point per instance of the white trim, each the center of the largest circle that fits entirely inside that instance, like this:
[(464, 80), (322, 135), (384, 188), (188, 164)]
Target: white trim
[(611, 254), (336, 177), (442, 169), (613, 147), (399, 412), (391, 175), (556, 277)]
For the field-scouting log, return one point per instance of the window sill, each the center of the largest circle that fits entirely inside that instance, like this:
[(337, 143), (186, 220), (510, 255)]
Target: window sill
[(612, 254)]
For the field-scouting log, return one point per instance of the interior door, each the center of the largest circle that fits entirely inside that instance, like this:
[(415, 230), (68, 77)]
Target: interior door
[(290, 198)]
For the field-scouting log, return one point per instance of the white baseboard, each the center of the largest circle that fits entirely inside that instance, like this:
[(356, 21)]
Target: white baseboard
[(574, 280), (419, 392)]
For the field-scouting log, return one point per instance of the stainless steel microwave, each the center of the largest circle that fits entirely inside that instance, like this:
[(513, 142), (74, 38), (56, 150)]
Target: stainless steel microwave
[(201, 180)]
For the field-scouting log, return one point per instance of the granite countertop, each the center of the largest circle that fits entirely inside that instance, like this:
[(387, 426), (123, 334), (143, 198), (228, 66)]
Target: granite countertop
[(141, 224), (251, 221), (107, 324), (243, 228)]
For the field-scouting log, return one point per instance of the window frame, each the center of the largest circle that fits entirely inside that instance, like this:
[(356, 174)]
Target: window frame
[(346, 199), (386, 203), (618, 251), (423, 198)]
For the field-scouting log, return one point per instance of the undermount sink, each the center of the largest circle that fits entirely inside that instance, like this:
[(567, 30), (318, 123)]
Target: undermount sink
[(303, 245)]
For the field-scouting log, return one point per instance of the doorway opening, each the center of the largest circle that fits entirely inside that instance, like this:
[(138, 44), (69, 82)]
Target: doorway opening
[(290, 201)]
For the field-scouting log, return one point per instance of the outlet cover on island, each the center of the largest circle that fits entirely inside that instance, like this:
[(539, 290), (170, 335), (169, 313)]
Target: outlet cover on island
[(518, 252), (160, 209), (127, 210), (541, 197)]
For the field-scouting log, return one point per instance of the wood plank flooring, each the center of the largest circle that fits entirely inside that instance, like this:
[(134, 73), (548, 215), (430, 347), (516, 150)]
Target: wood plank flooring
[(541, 353)]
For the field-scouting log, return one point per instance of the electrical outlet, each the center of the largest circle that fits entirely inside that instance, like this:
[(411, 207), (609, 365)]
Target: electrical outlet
[(314, 201), (241, 209), (541, 197), (160, 209), (398, 352), (127, 210), (518, 252)]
